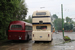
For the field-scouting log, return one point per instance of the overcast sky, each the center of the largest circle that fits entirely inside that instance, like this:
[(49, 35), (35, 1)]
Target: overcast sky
[(54, 6)]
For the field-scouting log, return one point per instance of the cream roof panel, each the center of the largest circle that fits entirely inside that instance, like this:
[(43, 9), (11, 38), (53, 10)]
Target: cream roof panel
[(47, 13)]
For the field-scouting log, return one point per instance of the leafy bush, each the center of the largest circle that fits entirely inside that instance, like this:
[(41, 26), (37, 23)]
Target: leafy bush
[(66, 37)]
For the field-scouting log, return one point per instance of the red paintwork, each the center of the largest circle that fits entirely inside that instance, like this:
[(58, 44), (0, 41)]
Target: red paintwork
[(15, 34), (18, 22)]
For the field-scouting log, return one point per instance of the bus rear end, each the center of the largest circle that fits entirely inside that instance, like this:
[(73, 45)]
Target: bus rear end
[(42, 32), (41, 21), (16, 31)]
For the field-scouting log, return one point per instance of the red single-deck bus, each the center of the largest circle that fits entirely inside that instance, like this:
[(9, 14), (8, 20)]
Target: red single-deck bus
[(20, 30)]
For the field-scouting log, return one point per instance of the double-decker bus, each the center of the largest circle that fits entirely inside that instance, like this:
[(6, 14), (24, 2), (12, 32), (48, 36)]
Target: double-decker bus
[(20, 30), (42, 26)]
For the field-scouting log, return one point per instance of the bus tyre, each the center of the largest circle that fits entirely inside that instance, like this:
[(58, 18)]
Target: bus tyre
[(51, 39)]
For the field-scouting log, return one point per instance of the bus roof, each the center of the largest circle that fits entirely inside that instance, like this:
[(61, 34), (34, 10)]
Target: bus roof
[(13, 22), (41, 13)]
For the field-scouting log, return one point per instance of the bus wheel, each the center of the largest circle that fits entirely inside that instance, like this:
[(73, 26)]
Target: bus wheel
[(51, 39)]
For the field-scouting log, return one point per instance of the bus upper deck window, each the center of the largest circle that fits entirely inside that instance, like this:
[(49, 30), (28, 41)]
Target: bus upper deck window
[(41, 13)]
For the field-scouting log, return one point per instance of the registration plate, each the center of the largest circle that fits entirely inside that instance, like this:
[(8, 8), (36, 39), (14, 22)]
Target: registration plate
[(40, 36)]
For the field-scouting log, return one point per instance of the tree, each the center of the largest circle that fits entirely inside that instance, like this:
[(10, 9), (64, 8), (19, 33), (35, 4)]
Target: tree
[(30, 19), (7, 9), (71, 26), (68, 26), (22, 11), (55, 16), (58, 24), (68, 19)]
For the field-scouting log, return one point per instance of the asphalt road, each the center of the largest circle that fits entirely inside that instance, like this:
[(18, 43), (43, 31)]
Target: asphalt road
[(57, 44)]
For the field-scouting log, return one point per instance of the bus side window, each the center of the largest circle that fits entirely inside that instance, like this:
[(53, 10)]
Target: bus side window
[(28, 28)]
